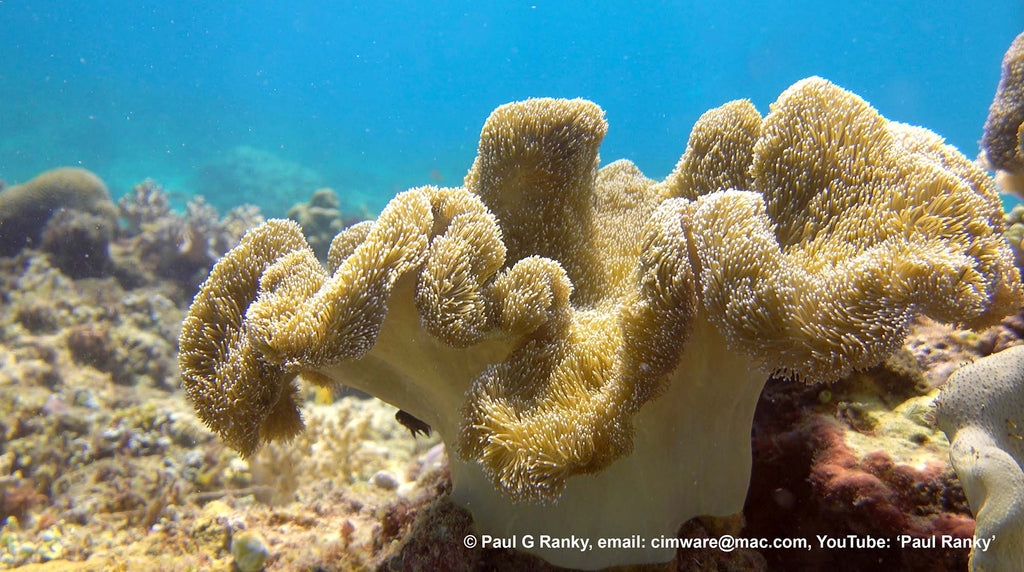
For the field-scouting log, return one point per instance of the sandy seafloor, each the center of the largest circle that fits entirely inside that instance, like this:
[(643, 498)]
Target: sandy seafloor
[(103, 465)]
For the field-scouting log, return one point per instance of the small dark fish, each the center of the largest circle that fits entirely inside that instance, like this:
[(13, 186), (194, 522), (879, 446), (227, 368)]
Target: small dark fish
[(413, 424)]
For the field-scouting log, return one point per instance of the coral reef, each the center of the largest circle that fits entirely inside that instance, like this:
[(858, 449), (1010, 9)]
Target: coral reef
[(1002, 143), (102, 463), (103, 466), (541, 313), (67, 214), (25, 208), (88, 343), (981, 410), (177, 247), (245, 172), (167, 506), (863, 457), (146, 204), (147, 488)]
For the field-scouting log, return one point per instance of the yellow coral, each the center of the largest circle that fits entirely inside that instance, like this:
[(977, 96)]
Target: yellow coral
[(575, 334), (346, 242), (235, 392), (719, 152), (535, 171), (839, 197)]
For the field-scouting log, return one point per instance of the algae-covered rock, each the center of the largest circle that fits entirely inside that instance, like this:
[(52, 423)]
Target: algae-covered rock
[(249, 551)]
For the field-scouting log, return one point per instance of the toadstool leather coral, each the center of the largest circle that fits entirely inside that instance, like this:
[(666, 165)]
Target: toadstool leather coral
[(1002, 143), (981, 410), (591, 343)]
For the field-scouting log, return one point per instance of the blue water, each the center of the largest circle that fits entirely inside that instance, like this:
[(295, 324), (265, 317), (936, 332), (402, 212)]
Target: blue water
[(376, 97)]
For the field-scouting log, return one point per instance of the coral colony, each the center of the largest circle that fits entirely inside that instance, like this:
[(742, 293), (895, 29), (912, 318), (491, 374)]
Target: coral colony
[(574, 332), (980, 410)]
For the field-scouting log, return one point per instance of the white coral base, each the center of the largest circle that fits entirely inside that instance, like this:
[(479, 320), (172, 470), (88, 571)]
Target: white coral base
[(691, 452), (691, 457)]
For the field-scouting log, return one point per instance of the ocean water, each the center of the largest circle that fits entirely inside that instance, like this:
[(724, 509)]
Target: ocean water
[(371, 98)]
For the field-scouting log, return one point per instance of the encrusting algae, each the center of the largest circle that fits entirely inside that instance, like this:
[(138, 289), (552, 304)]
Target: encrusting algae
[(563, 326)]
